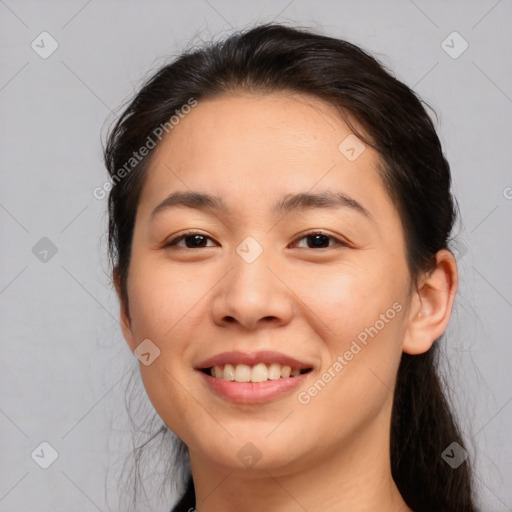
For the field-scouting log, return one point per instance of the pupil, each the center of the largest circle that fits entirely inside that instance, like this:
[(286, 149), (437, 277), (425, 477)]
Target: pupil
[(197, 239), (317, 240)]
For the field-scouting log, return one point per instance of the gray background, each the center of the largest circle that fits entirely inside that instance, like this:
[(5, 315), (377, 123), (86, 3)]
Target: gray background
[(65, 366)]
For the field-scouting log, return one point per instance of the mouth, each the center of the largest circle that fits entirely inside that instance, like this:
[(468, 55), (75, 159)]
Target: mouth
[(253, 378), (259, 372)]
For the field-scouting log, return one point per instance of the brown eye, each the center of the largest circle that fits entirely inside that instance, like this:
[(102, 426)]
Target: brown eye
[(191, 240), (320, 240)]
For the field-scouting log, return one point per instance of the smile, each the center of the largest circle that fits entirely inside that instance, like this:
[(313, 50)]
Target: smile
[(260, 372)]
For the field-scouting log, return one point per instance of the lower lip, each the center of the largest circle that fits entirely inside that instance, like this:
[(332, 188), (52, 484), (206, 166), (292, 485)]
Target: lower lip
[(254, 392)]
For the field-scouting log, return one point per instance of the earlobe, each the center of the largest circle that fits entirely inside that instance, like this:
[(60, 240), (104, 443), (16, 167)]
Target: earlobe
[(432, 305)]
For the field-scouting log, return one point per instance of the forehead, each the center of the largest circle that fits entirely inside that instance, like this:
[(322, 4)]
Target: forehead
[(250, 148), (289, 124)]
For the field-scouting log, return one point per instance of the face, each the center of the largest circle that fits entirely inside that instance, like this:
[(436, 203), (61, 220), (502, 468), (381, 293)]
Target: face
[(299, 265)]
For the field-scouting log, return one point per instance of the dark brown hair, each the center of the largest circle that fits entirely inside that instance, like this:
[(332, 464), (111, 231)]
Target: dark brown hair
[(392, 120)]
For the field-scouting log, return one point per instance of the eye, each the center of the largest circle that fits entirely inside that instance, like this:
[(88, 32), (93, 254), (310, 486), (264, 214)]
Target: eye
[(195, 240), (320, 240), (192, 240)]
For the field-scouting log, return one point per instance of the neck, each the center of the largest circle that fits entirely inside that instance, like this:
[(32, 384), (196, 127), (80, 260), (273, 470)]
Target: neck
[(355, 477)]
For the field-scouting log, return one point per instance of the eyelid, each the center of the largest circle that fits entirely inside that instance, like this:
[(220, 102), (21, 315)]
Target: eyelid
[(340, 241), (171, 242)]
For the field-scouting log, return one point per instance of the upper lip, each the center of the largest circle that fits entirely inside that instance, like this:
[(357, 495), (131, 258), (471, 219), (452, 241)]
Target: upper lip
[(251, 359)]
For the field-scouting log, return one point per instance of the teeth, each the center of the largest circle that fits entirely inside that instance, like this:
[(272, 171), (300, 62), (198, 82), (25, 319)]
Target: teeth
[(229, 372), (260, 372), (274, 371), (242, 373)]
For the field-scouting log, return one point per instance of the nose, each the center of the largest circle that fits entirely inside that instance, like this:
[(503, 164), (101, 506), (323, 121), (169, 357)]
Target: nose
[(252, 294)]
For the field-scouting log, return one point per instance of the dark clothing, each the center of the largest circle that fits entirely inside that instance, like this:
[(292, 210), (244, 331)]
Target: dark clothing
[(188, 501)]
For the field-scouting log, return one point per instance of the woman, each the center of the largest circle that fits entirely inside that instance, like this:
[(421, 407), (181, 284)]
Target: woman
[(279, 222)]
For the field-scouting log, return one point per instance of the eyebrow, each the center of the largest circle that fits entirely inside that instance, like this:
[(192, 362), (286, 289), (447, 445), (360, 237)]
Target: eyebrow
[(289, 203)]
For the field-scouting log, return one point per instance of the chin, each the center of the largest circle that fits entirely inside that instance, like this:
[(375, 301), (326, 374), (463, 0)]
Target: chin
[(253, 451)]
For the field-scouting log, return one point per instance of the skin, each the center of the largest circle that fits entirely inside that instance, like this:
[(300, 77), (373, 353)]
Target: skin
[(310, 303)]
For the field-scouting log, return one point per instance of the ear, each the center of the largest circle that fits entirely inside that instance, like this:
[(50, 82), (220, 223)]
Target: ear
[(431, 305), (124, 313)]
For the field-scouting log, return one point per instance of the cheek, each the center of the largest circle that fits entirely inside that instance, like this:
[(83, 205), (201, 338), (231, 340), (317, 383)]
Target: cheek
[(356, 384), (165, 308), (360, 318), (163, 299), (348, 299)]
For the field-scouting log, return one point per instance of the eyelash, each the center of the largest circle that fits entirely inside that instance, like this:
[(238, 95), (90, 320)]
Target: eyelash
[(174, 241)]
